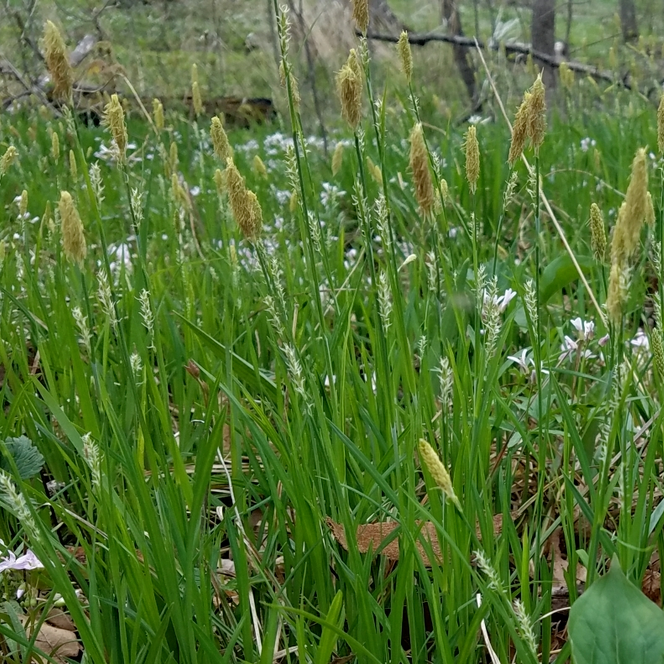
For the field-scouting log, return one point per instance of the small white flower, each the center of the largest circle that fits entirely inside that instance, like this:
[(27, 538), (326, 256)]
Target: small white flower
[(501, 302), (587, 143), (568, 348), (585, 329), (641, 341), (522, 360), (27, 561)]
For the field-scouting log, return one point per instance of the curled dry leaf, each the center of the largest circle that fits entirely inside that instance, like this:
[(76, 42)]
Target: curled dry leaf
[(55, 642), (380, 538)]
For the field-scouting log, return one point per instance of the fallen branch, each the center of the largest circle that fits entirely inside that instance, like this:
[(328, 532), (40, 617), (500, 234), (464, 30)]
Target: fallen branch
[(510, 47)]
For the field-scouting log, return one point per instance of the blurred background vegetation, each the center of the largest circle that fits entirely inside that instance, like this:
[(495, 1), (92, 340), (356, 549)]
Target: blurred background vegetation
[(156, 42)]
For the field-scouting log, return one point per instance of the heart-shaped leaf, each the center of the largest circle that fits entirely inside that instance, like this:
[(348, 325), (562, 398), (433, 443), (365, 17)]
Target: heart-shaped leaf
[(613, 622)]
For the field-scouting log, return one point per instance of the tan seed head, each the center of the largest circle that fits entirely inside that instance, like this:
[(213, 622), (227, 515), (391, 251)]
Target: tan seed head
[(405, 55), (244, 204), (472, 158), (537, 114), (196, 91), (158, 114), (73, 170), (259, 167), (115, 121), (419, 165), (597, 233), (349, 89), (618, 292), (220, 181), (220, 143), (55, 146), (10, 156), (632, 213), (519, 131), (73, 239), (337, 158), (361, 15), (57, 62)]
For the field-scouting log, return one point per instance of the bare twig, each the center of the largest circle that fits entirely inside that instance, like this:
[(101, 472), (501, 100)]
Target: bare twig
[(7, 66), (510, 47)]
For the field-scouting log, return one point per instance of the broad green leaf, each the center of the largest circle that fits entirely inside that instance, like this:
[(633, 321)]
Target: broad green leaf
[(613, 622), (560, 273), (27, 457)]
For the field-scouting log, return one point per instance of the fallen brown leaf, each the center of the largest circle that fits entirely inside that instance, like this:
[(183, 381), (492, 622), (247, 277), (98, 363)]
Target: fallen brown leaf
[(373, 536), (58, 618), (55, 642)]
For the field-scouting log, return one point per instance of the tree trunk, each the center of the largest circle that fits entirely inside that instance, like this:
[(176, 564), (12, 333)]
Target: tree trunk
[(382, 18), (543, 33), (450, 14), (630, 30)]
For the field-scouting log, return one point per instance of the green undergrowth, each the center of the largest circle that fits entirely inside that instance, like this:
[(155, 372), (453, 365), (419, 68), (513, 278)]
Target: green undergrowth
[(213, 412)]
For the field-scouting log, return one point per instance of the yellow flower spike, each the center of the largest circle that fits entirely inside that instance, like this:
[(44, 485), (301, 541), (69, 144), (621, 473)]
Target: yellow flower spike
[(437, 470)]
